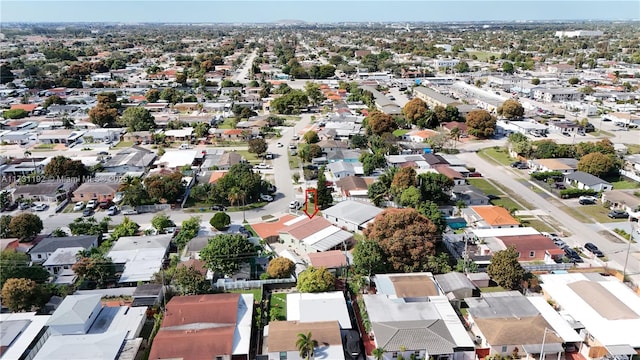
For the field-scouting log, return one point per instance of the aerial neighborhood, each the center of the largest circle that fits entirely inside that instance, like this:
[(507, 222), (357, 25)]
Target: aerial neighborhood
[(320, 191)]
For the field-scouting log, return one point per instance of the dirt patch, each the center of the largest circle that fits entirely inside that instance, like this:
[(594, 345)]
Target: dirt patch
[(611, 237)]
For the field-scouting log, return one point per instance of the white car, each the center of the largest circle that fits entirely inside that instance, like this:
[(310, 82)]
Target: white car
[(129, 212), (92, 204), (41, 207), (112, 211), (78, 206), (294, 205), (267, 198), (279, 145), (263, 166)]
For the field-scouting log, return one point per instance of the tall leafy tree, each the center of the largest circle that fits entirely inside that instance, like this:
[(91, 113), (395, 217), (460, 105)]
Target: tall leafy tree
[(405, 236), (280, 268), (480, 123), (226, 252), (379, 123), (324, 197), (97, 268), (368, 258), (511, 109), (435, 187), (61, 166), (505, 269), (314, 280), (167, 187), (597, 164), (22, 295), (415, 110), (190, 281), (25, 226), (15, 264), (311, 137), (257, 146), (137, 119)]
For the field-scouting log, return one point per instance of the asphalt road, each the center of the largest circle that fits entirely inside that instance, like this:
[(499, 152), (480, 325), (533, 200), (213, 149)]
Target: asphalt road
[(580, 232)]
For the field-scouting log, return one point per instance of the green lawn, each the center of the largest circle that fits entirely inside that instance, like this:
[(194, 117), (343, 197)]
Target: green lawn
[(228, 123), (633, 148), (278, 307), (251, 157), (483, 55), (44, 146), (489, 189), (124, 144), (587, 212), (624, 184), (400, 132), (294, 162), (497, 155), (257, 293), (599, 133), (538, 225), (492, 289)]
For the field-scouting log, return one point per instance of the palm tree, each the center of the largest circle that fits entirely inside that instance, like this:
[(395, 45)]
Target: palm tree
[(378, 353), (306, 345), (455, 135)]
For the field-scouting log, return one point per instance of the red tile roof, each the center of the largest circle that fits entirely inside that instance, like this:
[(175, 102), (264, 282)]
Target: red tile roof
[(525, 244), (196, 344), (217, 308), (266, 229), (495, 215), (25, 107)]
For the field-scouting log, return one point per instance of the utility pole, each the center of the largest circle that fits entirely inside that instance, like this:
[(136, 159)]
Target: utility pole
[(626, 260)]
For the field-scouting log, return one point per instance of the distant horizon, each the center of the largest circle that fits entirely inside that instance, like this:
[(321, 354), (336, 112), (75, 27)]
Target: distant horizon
[(314, 11)]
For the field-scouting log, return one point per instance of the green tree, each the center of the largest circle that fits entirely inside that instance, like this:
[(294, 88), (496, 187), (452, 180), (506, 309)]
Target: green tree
[(15, 114), (161, 222), (58, 232), (377, 192), (220, 220), (573, 81), (89, 226), (5, 220), (137, 119), (257, 146), (410, 197), (378, 353), (134, 192), (324, 198), (22, 295), (105, 113), (597, 164), (507, 67), (313, 92), (368, 258), (188, 231), (63, 167), (511, 109), (25, 226), (370, 162), (171, 95), (280, 268), (15, 264), (481, 124), (126, 228), (438, 264), (535, 81), (314, 280), (225, 253), (462, 67), (306, 345), (53, 100), (167, 187), (97, 268), (405, 236), (505, 269), (6, 76), (435, 187), (190, 281), (152, 95), (201, 129), (431, 211), (290, 103), (311, 137)]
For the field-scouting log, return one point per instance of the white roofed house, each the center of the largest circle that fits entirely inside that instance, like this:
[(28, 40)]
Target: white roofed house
[(139, 257), (607, 310), (342, 169), (176, 159), (48, 246), (132, 159), (314, 235), (583, 180), (351, 215), (60, 262), (183, 134)]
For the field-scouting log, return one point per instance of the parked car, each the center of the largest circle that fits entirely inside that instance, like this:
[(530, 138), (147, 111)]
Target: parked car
[(24, 206), (296, 137), (87, 212), (474, 174), (218, 208), (572, 255), (41, 207), (295, 205), (279, 145), (618, 214), (586, 202), (267, 198), (263, 166), (103, 153), (112, 211), (78, 206), (105, 204), (493, 197), (594, 249), (92, 204), (129, 212), (516, 164), (10, 207)]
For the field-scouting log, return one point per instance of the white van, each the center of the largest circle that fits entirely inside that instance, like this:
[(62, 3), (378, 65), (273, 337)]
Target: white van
[(184, 147)]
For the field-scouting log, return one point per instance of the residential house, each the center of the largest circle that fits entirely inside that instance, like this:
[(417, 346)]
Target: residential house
[(184, 134), (138, 137), (455, 176), (425, 329), (583, 180), (29, 108), (20, 137), (533, 248), (353, 187), (148, 295), (489, 217), (469, 194), (606, 312), (557, 95), (60, 136), (341, 169), (346, 155), (330, 260), (314, 235), (175, 159), (48, 190), (81, 328), (101, 190), (283, 335), (23, 166), (419, 136), (564, 165), (382, 103), (18, 330), (622, 200), (216, 326), (219, 159), (47, 246), (132, 159), (61, 261), (138, 258), (316, 307), (407, 287), (456, 285), (565, 127), (625, 118), (351, 215), (332, 145), (102, 135), (508, 323), (481, 243)]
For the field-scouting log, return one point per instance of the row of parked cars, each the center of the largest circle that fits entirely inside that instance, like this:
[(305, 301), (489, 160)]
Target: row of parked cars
[(91, 206)]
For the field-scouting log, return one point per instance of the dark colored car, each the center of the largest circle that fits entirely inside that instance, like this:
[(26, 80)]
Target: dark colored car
[(594, 249), (105, 204), (586, 202), (10, 207), (493, 197), (572, 255), (618, 214), (87, 212)]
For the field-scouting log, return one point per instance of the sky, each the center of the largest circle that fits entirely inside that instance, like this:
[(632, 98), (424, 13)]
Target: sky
[(329, 11)]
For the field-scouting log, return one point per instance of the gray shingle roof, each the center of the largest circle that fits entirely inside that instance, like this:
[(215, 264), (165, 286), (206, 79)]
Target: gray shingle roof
[(431, 335), (50, 244), (586, 178), (353, 211)]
